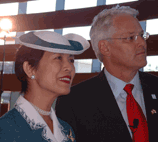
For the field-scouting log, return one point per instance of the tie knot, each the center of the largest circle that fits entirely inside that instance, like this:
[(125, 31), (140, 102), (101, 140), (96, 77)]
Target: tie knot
[(128, 88)]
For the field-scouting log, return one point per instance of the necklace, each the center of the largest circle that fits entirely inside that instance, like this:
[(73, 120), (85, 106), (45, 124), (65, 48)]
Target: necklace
[(43, 112)]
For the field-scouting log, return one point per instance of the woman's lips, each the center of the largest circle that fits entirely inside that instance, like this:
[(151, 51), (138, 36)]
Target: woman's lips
[(66, 79)]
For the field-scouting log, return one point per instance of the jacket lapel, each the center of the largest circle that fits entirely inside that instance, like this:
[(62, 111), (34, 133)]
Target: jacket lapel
[(106, 97), (150, 92), (108, 106)]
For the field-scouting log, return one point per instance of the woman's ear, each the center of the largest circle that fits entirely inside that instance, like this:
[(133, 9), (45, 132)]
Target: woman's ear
[(28, 69), (104, 47)]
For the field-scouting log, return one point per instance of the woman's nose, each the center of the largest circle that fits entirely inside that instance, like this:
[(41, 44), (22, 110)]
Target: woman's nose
[(68, 66)]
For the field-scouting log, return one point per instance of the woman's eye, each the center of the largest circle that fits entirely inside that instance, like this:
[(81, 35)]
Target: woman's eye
[(72, 60), (59, 57)]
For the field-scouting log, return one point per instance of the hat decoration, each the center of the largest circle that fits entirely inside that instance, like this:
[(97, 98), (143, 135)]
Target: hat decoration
[(54, 42)]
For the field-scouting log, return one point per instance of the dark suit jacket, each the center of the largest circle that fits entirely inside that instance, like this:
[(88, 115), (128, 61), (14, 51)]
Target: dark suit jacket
[(94, 115)]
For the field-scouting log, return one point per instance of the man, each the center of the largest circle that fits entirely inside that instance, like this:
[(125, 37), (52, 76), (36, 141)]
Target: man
[(120, 104)]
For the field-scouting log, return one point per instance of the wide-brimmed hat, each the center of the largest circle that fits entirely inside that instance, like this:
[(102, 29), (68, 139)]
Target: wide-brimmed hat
[(54, 42)]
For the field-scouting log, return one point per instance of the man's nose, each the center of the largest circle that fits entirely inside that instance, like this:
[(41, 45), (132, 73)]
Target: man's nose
[(141, 41)]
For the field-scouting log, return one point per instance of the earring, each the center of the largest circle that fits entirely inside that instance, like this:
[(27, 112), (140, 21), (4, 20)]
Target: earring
[(33, 77)]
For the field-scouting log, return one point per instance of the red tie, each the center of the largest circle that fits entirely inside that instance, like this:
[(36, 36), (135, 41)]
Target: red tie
[(134, 112)]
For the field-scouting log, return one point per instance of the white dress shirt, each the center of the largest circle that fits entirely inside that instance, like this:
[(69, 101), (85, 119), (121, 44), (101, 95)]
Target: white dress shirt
[(120, 95), (36, 119)]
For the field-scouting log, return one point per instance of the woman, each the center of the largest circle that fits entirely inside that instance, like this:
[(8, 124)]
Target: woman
[(45, 66)]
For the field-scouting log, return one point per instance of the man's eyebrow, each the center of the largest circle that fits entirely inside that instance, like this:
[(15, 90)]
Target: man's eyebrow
[(134, 32)]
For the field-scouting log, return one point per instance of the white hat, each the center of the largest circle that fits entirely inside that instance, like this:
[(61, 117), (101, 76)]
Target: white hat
[(54, 42)]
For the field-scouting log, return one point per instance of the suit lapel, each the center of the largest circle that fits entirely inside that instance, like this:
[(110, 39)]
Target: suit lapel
[(150, 93), (106, 96), (108, 106)]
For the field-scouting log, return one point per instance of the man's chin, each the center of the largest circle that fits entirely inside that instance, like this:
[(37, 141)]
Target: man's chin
[(145, 63), (142, 64)]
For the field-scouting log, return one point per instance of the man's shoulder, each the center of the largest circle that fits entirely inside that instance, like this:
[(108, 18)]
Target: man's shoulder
[(93, 81), (82, 83), (148, 81), (148, 76)]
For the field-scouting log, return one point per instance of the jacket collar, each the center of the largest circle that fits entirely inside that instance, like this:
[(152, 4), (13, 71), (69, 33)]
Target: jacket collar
[(34, 119)]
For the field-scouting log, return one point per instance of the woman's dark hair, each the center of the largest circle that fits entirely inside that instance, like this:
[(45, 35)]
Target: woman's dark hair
[(33, 56)]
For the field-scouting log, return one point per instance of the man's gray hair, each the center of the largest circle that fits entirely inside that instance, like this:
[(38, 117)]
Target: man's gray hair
[(102, 26)]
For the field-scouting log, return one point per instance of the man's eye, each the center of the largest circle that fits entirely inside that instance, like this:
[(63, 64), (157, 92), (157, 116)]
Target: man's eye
[(131, 38), (142, 35)]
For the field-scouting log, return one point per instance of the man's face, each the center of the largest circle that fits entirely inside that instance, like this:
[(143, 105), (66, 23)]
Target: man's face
[(127, 55)]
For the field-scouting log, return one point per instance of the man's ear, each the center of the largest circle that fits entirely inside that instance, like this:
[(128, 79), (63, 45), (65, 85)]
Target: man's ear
[(104, 47), (28, 69)]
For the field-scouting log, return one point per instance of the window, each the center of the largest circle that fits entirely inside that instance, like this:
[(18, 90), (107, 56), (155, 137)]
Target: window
[(83, 66), (40, 6), (82, 31), (108, 2), (9, 39), (9, 9), (151, 26), (8, 67), (39, 30), (5, 99), (152, 64), (75, 4)]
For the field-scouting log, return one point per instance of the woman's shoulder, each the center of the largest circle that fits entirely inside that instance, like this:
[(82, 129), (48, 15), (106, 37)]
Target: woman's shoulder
[(10, 115), (8, 123), (11, 119), (14, 127)]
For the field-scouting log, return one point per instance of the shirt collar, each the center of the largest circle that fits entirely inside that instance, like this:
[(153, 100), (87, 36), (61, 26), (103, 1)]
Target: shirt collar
[(24, 107), (117, 85), (136, 82)]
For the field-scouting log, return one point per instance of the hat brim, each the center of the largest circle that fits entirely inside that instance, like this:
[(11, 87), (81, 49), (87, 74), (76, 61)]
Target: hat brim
[(66, 46)]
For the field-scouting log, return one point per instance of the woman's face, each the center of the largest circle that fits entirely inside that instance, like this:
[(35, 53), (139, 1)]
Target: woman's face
[(55, 73)]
